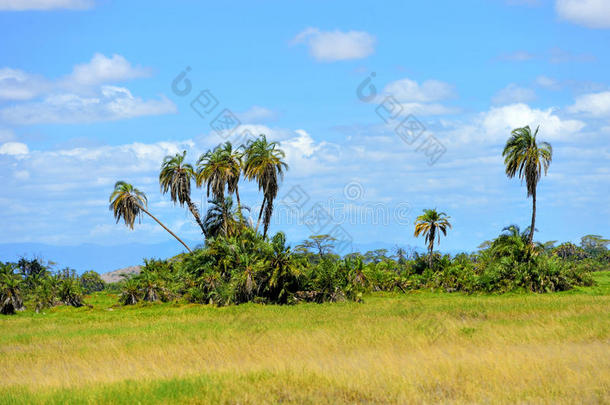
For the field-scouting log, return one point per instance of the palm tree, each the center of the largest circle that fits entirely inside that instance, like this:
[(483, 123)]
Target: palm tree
[(523, 156), (514, 243), (430, 224), (233, 163), (264, 163), (176, 177), (214, 172), (221, 218), (10, 290), (128, 203)]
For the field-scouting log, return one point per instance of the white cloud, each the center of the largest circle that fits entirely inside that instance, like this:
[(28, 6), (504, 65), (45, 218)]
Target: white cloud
[(14, 149), (110, 104), (499, 121), (547, 83), (257, 114), (21, 5), (593, 104), (82, 96), (427, 109), (513, 94), (331, 46), (589, 13), (18, 85), (419, 99), (409, 90), (101, 69)]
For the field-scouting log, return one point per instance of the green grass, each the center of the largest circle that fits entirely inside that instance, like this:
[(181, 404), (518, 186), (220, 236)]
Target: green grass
[(393, 348)]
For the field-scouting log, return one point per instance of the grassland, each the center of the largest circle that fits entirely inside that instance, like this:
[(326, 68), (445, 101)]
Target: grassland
[(420, 347)]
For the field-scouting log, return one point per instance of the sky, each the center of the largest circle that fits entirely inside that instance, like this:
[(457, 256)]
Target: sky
[(383, 110)]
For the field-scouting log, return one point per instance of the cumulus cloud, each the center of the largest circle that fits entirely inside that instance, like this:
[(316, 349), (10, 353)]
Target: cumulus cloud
[(102, 69), (429, 90), (84, 95), (111, 104), (589, 13), (257, 114), (592, 104), (419, 99), (331, 46), (14, 149), (499, 121), (513, 93), (22, 5), (16, 84)]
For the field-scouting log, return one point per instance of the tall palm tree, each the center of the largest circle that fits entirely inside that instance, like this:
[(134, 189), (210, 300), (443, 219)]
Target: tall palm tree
[(264, 162), (176, 177), (128, 203), (233, 163), (527, 159), (430, 224), (213, 171)]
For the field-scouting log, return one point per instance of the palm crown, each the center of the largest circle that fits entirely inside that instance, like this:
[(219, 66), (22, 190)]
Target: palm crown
[(264, 163), (175, 177), (430, 224), (524, 156), (126, 202), (527, 159)]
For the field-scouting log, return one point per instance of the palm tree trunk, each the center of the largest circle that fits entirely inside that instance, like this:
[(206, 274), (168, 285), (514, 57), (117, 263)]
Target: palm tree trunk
[(195, 213), (431, 246), (533, 226), (166, 228), (238, 200), (239, 213), (267, 217), (260, 213)]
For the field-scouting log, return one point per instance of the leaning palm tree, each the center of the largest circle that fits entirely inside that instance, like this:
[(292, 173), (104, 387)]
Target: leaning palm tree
[(527, 159), (264, 162), (176, 177), (128, 203), (430, 224)]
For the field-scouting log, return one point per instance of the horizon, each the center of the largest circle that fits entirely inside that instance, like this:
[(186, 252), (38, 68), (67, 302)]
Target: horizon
[(380, 119)]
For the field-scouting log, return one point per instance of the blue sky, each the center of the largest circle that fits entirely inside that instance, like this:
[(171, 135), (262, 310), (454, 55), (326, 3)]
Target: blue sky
[(86, 99)]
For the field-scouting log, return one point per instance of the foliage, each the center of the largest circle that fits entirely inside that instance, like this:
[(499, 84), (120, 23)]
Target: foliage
[(10, 290), (91, 281)]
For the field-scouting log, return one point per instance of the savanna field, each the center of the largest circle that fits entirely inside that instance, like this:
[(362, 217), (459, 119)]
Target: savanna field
[(419, 347)]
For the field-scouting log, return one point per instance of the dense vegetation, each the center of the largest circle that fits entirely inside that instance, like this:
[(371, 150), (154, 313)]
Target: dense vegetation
[(33, 282), (238, 264), (247, 267)]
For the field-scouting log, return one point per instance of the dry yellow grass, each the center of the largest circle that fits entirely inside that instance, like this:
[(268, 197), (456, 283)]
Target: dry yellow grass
[(419, 348)]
